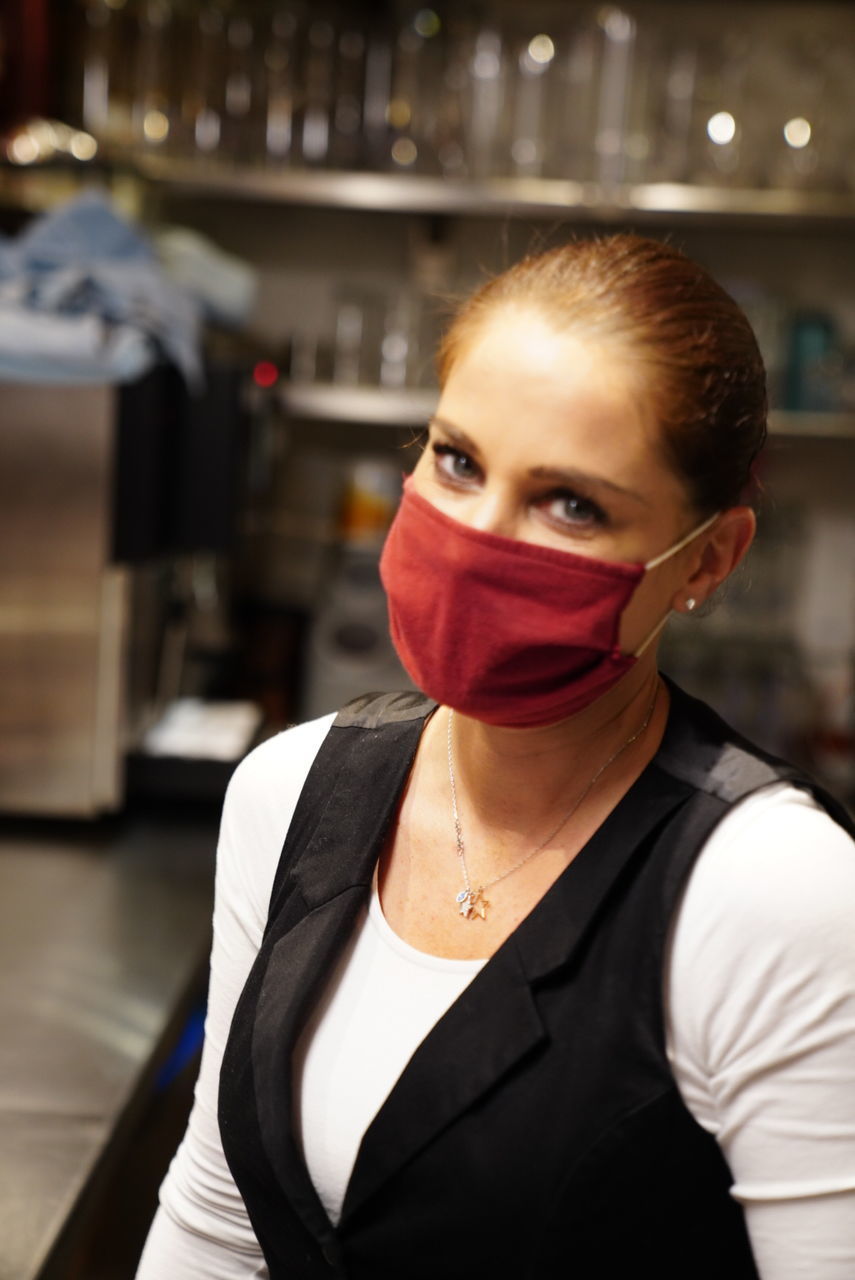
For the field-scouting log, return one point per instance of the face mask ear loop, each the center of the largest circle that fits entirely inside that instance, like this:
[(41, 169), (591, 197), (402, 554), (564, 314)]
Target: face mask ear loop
[(660, 559), (651, 635), (684, 542)]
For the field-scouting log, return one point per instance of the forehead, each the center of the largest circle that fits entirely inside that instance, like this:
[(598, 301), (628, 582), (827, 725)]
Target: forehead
[(553, 389), (552, 397), (519, 345)]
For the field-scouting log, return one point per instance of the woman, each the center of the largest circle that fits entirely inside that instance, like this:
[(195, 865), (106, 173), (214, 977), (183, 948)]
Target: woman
[(557, 975)]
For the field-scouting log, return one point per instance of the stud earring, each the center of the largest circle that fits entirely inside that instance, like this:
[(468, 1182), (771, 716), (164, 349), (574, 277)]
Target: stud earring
[(691, 602)]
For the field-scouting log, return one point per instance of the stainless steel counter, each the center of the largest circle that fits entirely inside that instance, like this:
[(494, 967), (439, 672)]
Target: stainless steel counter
[(104, 934)]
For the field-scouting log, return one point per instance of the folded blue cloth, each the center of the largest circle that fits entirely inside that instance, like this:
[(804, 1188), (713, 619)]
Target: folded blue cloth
[(84, 299)]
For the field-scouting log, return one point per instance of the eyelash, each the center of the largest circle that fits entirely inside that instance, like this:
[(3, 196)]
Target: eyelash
[(595, 516), (448, 451)]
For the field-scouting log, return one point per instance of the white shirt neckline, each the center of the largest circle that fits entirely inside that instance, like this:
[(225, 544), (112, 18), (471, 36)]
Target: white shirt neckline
[(412, 955)]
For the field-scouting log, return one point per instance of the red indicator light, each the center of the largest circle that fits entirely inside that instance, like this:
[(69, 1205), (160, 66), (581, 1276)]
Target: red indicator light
[(265, 374)]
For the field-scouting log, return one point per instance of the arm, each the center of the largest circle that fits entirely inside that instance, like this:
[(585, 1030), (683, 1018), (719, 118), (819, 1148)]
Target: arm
[(201, 1228), (761, 1003)]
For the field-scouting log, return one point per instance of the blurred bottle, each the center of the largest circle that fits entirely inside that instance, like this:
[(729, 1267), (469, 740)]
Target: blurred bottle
[(153, 110), (432, 268), (416, 87), (799, 103), (450, 108), (315, 119), (378, 94), (679, 81), (534, 59), (398, 348), (359, 318), (372, 491), (405, 105), (618, 30), (814, 365), (244, 123), (721, 110), (349, 97), (348, 343), (571, 122), (203, 83), (109, 44), (485, 127), (644, 123), (279, 78)]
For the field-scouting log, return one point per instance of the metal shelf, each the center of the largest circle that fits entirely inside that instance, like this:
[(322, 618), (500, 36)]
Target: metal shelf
[(366, 406), (42, 186), (498, 197), (406, 407), (807, 424)]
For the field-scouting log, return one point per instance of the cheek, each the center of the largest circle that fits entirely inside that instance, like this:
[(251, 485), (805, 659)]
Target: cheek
[(650, 603)]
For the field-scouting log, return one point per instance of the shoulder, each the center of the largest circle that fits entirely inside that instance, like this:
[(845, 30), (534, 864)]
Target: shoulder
[(776, 858), (781, 841), (765, 924), (272, 775), (257, 811), (262, 795), (760, 1002), (266, 785)]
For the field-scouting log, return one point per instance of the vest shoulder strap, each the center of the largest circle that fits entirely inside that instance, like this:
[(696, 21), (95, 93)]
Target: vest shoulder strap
[(369, 745), (702, 749), (372, 710)]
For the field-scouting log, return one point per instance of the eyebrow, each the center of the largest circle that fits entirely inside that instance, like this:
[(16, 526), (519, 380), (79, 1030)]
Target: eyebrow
[(554, 475)]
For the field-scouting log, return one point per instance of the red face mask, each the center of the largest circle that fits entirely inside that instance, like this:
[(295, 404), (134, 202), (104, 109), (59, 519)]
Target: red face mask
[(501, 630)]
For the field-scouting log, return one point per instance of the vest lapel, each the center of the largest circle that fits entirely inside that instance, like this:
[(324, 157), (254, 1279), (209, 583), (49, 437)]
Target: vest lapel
[(484, 1034), (331, 867), (298, 963), (560, 921)]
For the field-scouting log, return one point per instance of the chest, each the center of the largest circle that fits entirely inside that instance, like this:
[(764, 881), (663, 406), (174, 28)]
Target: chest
[(423, 882)]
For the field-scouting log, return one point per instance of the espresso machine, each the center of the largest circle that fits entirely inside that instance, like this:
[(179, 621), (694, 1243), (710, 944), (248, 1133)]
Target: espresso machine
[(105, 490)]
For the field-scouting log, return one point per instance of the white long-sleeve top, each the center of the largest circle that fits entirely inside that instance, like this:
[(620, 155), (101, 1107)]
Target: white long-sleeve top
[(760, 1003)]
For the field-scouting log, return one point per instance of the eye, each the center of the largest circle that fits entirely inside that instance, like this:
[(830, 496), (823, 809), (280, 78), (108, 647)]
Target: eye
[(565, 507), (453, 465)]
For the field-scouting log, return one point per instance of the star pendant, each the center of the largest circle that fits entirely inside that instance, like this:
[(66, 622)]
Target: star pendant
[(472, 905)]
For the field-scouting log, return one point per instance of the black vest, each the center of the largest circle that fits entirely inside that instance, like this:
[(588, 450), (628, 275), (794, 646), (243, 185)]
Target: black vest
[(537, 1132)]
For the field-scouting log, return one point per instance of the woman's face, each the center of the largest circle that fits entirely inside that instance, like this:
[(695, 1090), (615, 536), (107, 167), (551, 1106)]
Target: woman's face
[(546, 437)]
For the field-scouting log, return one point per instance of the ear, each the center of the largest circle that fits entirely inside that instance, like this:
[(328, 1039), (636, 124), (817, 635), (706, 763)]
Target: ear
[(721, 550)]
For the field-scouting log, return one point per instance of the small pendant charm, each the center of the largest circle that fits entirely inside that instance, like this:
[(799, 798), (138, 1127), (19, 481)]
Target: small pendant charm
[(472, 905)]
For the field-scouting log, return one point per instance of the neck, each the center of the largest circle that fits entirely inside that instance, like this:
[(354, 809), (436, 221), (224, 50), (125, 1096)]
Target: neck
[(516, 780)]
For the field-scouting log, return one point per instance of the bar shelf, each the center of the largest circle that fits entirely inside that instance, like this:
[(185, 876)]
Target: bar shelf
[(410, 407), (499, 197), (39, 187)]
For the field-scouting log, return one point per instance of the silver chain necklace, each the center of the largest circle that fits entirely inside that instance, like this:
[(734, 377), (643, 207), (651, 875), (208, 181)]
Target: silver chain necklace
[(471, 903)]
